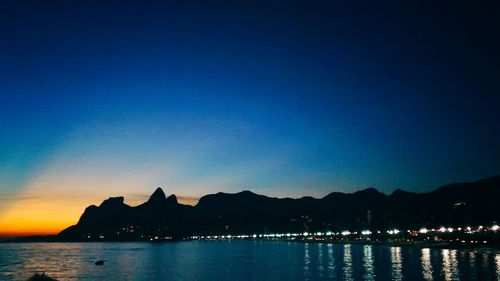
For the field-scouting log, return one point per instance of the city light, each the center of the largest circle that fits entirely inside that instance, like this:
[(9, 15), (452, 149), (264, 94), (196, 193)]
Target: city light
[(393, 231), (404, 235)]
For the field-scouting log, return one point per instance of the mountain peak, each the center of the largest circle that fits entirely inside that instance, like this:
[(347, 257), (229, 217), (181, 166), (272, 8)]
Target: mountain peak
[(157, 196), (172, 199), (370, 191), (112, 202), (399, 192), (247, 192)]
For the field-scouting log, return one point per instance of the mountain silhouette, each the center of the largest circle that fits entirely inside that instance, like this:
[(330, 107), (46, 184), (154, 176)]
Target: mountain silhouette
[(157, 197), (247, 213)]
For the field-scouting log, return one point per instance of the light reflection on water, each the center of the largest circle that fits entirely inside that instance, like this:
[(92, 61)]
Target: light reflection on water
[(347, 268), (397, 263), (497, 262), (307, 262), (450, 266), (368, 263), (426, 264), (242, 260), (321, 267), (472, 262), (331, 262)]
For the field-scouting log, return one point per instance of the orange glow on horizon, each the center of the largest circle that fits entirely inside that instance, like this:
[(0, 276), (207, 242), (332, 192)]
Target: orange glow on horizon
[(56, 198), (37, 214), (26, 218)]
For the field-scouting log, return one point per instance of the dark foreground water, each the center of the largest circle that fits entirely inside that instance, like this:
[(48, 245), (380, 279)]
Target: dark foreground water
[(242, 260)]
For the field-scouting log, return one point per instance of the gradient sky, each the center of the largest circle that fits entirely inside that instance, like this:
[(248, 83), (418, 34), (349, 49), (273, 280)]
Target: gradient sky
[(282, 98)]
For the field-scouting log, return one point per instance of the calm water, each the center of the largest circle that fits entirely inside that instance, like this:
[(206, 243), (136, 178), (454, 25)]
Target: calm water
[(242, 260)]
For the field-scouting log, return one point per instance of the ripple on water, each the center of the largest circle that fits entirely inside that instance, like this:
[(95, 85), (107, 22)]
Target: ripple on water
[(242, 260)]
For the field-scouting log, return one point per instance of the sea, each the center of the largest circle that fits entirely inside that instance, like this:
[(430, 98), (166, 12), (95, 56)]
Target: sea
[(242, 260)]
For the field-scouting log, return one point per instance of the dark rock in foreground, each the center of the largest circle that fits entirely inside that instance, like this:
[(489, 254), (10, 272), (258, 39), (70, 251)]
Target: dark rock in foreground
[(41, 277)]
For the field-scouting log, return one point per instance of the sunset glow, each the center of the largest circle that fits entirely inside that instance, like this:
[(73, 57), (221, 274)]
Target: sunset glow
[(285, 100)]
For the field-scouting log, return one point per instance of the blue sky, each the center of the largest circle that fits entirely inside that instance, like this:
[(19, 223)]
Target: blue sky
[(284, 99)]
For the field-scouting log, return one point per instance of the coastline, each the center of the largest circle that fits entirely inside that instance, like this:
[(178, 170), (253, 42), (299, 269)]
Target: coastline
[(415, 244)]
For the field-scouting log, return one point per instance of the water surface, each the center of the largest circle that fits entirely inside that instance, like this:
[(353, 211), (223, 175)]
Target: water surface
[(242, 260)]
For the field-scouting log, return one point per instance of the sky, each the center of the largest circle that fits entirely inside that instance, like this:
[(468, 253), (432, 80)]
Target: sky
[(283, 98)]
